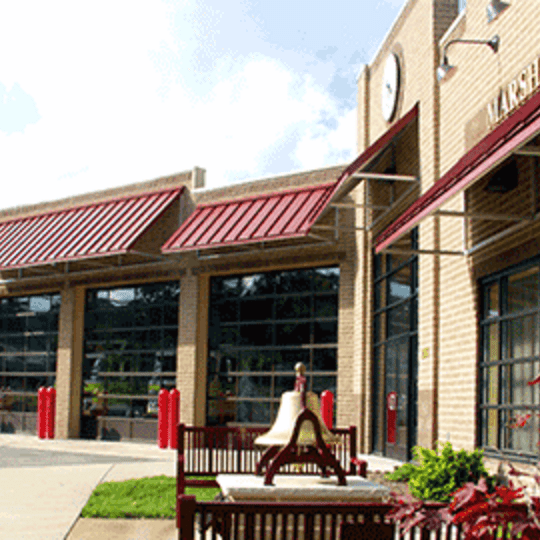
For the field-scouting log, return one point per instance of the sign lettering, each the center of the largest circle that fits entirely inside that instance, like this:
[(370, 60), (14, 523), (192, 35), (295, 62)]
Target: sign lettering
[(514, 94)]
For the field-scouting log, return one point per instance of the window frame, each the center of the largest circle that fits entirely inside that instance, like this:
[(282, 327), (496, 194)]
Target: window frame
[(106, 377), (506, 410), (25, 400), (239, 350)]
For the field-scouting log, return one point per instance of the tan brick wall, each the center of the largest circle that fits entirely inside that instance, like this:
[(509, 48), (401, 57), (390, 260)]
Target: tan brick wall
[(458, 338), (363, 108), (270, 184)]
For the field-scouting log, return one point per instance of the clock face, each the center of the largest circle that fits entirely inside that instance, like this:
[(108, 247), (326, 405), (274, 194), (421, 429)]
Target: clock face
[(390, 87)]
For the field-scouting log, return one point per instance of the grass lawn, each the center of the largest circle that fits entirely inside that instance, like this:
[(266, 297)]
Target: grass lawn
[(141, 498)]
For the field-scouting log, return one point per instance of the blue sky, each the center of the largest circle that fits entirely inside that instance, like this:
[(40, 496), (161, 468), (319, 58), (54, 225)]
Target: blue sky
[(100, 94)]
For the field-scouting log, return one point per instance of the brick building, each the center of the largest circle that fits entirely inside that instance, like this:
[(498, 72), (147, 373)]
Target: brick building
[(409, 276), (471, 334)]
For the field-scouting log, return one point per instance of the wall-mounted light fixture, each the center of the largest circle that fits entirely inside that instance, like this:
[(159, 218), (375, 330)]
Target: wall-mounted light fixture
[(445, 68), (495, 8)]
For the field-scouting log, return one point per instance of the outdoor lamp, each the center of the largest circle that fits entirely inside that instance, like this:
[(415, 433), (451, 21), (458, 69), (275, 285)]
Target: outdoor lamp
[(445, 68), (495, 8)]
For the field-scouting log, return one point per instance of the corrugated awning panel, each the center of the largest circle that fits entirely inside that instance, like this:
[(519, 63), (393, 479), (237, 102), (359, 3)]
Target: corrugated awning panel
[(105, 228), (273, 216), (515, 131)]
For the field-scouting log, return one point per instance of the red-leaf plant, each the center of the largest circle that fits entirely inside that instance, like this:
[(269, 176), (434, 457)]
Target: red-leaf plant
[(482, 515)]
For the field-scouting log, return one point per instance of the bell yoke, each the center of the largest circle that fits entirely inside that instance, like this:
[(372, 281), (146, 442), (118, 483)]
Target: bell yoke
[(298, 435)]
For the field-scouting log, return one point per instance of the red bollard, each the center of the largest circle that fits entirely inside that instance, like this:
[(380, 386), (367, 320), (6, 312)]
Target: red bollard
[(327, 408), (49, 417), (174, 416), (41, 409), (391, 417), (163, 418)]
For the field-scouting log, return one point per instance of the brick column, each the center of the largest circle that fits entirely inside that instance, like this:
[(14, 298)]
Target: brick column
[(351, 320), (191, 374), (69, 363), (428, 335)]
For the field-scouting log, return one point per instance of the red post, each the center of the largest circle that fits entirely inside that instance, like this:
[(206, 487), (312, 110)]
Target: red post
[(51, 411), (163, 418), (391, 417), (174, 416), (327, 408), (41, 408)]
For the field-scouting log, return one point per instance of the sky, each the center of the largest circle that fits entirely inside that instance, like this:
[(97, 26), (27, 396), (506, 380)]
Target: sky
[(106, 93)]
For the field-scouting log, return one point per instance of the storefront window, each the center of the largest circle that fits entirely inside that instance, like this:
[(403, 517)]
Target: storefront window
[(130, 338), (510, 359), (260, 326), (28, 344), (395, 336)]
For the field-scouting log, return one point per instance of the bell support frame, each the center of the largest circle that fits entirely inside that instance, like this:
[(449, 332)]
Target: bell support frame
[(274, 458)]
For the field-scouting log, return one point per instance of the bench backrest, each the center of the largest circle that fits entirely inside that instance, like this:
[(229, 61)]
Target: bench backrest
[(209, 451), (283, 521)]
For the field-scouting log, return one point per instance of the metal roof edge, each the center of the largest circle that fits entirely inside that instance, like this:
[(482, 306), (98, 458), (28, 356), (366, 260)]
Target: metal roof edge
[(268, 195), (73, 201), (254, 181), (180, 190)]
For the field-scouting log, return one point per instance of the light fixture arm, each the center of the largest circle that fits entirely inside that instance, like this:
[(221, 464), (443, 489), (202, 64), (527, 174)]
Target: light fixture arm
[(492, 43), (445, 67)]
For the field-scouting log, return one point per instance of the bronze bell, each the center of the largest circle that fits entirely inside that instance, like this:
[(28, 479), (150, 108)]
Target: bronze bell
[(298, 435), (290, 407)]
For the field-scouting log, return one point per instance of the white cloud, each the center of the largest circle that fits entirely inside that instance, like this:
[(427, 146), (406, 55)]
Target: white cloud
[(114, 110), (326, 146)]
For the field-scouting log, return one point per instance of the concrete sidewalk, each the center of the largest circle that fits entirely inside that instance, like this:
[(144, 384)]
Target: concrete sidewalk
[(43, 499), (44, 484)]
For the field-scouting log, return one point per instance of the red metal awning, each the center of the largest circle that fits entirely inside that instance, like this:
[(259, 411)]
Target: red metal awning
[(514, 132), (346, 182), (275, 216), (95, 230)]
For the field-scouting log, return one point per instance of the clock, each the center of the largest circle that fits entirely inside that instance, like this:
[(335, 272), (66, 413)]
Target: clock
[(390, 87)]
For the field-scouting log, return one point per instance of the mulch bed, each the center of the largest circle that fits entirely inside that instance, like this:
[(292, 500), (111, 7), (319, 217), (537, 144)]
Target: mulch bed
[(377, 477)]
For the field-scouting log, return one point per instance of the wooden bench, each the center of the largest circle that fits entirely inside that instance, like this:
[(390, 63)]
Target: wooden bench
[(209, 451), (297, 521)]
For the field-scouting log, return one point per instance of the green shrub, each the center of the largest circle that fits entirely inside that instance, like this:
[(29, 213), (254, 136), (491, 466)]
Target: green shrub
[(438, 475), (402, 474)]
